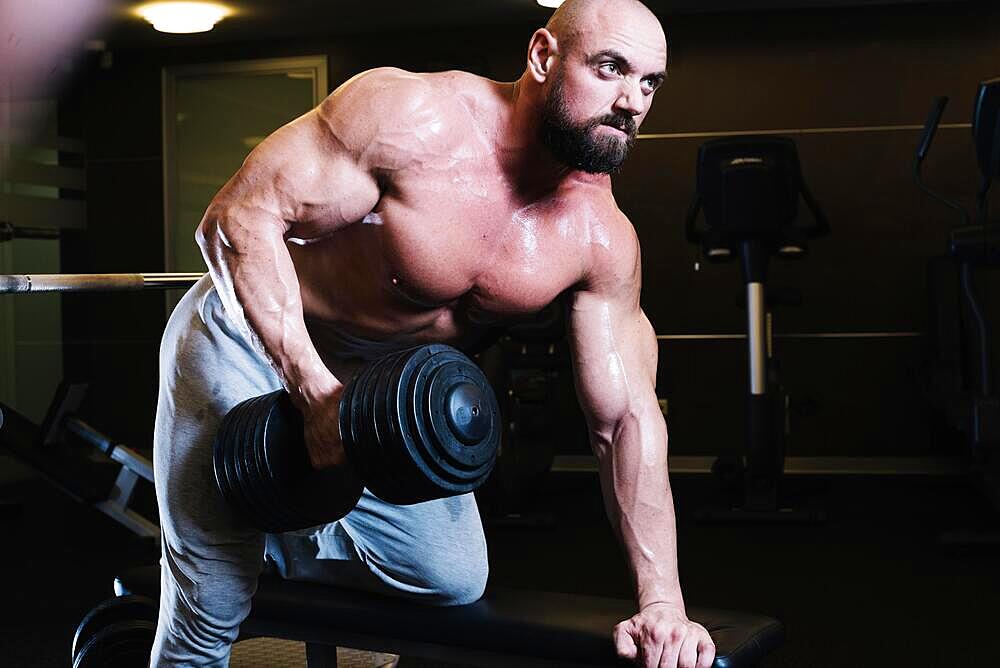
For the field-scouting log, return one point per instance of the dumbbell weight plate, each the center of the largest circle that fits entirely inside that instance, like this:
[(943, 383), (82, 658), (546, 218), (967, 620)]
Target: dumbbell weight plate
[(397, 399), (228, 436), (463, 452), (394, 483), (431, 443), (219, 453), (278, 512), (401, 401), (267, 513), (461, 467), (256, 512), (364, 451), (348, 433)]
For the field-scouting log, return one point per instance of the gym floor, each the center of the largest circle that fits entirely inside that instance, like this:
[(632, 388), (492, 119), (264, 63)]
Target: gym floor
[(870, 587)]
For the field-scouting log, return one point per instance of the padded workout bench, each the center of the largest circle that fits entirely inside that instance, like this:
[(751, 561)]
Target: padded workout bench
[(505, 628)]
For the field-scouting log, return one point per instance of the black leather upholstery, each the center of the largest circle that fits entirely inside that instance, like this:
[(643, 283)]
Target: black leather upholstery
[(508, 625)]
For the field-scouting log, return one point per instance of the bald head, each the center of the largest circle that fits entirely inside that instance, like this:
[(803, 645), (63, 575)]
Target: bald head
[(577, 19)]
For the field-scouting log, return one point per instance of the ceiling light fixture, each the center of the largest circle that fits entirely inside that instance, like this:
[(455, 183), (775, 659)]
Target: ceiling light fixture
[(550, 3), (183, 17)]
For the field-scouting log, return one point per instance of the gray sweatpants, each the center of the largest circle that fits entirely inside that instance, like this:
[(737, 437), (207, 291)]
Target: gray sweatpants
[(433, 552)]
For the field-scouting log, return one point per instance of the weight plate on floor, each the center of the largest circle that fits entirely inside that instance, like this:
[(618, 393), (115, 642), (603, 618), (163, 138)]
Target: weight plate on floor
[(114, 610), (120, 645)]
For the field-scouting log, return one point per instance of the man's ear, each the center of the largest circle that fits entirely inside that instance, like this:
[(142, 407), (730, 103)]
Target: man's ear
[(542, 50)]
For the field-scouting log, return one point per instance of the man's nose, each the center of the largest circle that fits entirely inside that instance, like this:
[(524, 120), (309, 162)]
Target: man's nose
[(630, 100)]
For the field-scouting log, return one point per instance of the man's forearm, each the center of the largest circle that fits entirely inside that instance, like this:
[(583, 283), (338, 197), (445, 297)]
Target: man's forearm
[(256, 280), (636, 487)]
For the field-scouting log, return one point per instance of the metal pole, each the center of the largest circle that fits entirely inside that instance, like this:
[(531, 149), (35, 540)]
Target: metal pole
[(22, 283), (756, 344)]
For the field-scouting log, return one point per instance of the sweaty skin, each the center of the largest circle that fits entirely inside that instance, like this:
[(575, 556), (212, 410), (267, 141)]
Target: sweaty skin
[(409, 208)]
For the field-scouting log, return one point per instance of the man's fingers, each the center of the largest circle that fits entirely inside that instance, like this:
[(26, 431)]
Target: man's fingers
[(624, 643), (651, 653), (670, 645), (706, 651), (687, 657), (670, 642)]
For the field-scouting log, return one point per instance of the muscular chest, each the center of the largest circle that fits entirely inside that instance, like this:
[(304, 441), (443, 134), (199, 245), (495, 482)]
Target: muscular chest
[(463, 239)]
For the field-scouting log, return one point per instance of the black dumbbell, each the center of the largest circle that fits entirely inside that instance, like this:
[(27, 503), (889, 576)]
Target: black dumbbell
[(416, 425)]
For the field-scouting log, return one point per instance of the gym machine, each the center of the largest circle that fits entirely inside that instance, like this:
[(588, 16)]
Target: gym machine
[(106, 481), (963, 382), (528, 365), (749, 189)]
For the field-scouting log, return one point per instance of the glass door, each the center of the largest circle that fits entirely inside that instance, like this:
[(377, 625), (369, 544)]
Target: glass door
[(213, 116)]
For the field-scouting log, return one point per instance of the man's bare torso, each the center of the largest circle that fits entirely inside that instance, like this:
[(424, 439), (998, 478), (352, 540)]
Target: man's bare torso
[(456, 243)]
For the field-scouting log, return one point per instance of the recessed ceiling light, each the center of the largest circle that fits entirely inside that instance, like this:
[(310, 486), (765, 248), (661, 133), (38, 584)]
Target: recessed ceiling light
[(550, 3), (183, 17)]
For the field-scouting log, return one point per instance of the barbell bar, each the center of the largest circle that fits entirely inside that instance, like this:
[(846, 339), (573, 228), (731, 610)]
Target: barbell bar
[(25, 283)]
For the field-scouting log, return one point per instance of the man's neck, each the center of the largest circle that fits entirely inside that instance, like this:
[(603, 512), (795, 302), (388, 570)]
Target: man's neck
[(525, 157)]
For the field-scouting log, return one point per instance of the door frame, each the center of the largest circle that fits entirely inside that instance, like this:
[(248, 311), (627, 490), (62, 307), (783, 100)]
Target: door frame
[(316, 66)]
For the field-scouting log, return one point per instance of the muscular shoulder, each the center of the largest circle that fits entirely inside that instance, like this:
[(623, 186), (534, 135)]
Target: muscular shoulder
[(612, 254), (390, 118)]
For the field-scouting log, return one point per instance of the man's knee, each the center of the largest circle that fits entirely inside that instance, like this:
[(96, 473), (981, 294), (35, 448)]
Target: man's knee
[(199, 620), (188, 637), (458, 581), (470, 584)]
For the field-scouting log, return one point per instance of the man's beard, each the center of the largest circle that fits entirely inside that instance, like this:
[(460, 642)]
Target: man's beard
[(578, 146)]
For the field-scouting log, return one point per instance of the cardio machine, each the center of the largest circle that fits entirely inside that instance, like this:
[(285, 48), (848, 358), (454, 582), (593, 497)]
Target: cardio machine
[(749, 189), (961, 337)]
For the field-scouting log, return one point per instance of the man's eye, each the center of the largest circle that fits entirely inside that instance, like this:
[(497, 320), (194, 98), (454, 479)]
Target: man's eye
[(610, 68)]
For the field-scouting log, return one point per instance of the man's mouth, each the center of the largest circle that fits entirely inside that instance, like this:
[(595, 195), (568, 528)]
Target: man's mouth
[(624, 125)]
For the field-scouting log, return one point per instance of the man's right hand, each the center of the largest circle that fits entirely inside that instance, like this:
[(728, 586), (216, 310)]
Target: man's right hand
[(321, 423)]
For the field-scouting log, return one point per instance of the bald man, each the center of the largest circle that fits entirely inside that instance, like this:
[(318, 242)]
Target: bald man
[(411, 208)]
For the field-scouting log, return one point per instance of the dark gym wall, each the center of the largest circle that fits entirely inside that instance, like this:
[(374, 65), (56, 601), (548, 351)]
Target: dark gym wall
[(792, 70)]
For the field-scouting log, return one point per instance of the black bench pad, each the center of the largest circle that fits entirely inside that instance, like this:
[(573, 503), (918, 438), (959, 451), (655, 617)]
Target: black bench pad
[(504, 627)]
